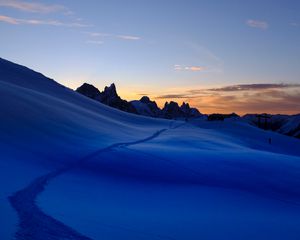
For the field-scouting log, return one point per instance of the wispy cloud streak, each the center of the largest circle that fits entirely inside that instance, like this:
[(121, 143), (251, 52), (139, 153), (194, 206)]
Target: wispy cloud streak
[(178, 67), (100, 37), (106, 35), (263, 25), (253, 87), (242, 98), (34, 7), (295, 24), (9, 20), (18, 21), (128, 37)]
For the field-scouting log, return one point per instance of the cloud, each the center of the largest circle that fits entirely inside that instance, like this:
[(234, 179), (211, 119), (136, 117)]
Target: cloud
[(178, 67), (101, 35), (128, 37), (242, 99), (9, 20), (172, 96), (195, 68), (34, 7), (294, 24), (214, 64), (18, 21), (257, 24), (255, 87)]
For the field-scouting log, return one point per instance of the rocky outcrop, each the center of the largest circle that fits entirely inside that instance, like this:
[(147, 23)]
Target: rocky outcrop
[(221, 117), (89, 91), (108, 97), (144, 106), (188, 111), (173, 111)]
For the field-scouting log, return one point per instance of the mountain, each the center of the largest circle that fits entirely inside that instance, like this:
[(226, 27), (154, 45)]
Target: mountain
[(144, 106), (108, 97), (284, 124), (173, 111), (188, 111), (90, 91), (221, 117), (73, 168)]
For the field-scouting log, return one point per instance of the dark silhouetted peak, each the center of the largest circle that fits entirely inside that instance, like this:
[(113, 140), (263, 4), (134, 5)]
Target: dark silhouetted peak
[(108, 97), (185, 107), (188, 111), (111, 90), (172, 110), (89, 91), (145, 99), (111, 98), (146, 107), (221, 117), (173, 104)]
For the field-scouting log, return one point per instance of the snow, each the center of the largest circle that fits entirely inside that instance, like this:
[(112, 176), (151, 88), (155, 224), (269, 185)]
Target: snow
[(284, 124), (141, 108), (113, 207), (292, 126), (86, 170)]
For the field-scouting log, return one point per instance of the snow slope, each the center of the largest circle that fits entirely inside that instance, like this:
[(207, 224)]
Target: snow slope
[(72, 168), (292, 127), (284, 124)]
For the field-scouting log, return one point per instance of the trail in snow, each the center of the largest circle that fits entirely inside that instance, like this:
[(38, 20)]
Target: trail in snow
[(33, 222)]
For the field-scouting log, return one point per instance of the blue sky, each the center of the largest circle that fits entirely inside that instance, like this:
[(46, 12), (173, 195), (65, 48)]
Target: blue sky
[(163, 48)]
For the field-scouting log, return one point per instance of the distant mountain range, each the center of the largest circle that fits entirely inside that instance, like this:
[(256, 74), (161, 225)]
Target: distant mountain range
[(284, 124), (144, 106)]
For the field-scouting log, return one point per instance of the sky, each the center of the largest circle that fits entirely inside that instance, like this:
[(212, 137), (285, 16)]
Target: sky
[(218, 55)]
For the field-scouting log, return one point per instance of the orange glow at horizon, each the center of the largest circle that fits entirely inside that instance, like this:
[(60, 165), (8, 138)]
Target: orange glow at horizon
[(208, 101), (273, 102)]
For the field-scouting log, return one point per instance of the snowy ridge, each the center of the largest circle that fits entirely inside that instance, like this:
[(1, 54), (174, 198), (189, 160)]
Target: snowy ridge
[(284, 124), (292, 127), (144, 106)]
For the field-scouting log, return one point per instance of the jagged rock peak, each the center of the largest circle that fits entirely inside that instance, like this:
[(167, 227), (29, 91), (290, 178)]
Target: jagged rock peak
[(172, 104), (144, 106), (88, 90), (185, 105), (111, 90), (145, 99)]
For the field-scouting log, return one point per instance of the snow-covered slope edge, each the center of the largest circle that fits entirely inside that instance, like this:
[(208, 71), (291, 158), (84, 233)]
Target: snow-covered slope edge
[(45, 126), (285, 124)]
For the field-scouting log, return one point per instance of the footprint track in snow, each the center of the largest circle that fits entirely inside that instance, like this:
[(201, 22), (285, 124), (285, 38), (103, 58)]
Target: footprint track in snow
[(34, 224)]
